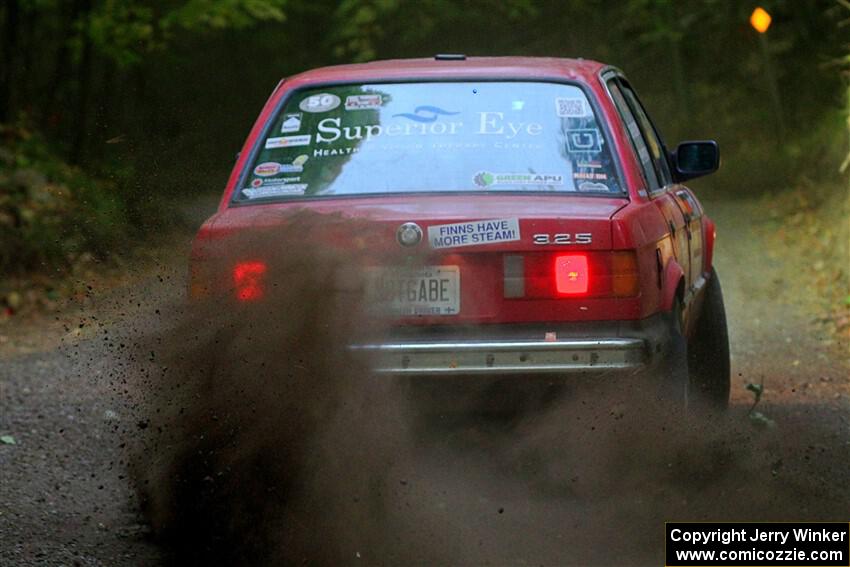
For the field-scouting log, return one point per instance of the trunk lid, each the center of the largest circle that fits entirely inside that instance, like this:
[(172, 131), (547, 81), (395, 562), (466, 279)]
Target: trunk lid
[(536, 214), (466, 237)]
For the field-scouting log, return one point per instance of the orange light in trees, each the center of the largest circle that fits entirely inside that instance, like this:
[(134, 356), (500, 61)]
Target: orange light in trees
[(760, 19)]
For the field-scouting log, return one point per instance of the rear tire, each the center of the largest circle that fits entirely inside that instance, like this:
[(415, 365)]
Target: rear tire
[(708, 352), (674, 366)]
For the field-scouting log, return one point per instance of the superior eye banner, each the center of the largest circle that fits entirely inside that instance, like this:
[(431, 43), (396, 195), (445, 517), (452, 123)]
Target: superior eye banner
[(810, 544)]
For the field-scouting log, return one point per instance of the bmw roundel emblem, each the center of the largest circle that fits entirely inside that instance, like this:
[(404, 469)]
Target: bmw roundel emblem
[(409, 234)]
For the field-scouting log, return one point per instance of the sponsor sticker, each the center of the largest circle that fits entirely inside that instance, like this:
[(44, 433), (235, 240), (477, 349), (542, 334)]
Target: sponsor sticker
[(590, 175), (267, 169), (583, 140), (363, 102), (473, 233), (571, 107), (486, 179), (274, 190), (291, 122), (594, 164), (288, 141), (281, 180), (592, 186), (319, 103), (297, 165)]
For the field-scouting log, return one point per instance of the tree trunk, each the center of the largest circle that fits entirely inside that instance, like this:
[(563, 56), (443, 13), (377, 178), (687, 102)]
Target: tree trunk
[(7, 78), (84, 78), (63, 87), (680, 84), (107, 84)]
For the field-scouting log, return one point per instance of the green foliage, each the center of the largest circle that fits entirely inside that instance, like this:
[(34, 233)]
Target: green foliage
[(223, 14), (761, 421), (758, 419), (360, 26), (367, 29), (51, 213), (94, 56), (123, 31), (160, 93), (757, 390), (845, 61)]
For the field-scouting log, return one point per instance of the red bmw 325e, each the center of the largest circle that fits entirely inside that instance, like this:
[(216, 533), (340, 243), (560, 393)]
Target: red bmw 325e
[(560, 239)]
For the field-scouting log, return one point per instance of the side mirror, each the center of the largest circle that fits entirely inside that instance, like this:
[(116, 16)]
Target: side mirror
[(695, 159)]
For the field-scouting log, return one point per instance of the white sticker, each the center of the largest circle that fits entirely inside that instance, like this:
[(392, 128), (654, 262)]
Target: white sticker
[(291, 122), (282, 180), (571, 107), (267, 169), (473, 233), (275, 190), (583, 140), (486, 179), (319, 103), (589, 164), (592, 186), (288, 141), (363, 102), (297, 165)]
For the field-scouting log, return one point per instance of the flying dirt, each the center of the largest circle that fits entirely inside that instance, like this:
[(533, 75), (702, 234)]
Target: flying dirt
[(158, 434), (267, 440)]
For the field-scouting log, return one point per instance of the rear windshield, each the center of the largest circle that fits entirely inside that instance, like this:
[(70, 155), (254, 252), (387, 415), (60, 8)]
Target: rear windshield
[(433, 137)]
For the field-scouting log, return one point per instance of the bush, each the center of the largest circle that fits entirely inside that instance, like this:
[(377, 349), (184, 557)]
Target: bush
[(51, 213)]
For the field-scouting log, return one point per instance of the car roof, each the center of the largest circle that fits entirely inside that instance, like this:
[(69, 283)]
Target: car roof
[(583, 70)]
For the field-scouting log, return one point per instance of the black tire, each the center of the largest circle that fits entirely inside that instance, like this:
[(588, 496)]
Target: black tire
[(708, 352), (674, 363)]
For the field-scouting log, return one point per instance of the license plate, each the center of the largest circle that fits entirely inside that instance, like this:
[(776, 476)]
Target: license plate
[(426, 290)]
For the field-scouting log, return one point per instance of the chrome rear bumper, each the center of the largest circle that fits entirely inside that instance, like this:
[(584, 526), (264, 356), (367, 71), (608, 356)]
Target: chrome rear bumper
[(508, 356)]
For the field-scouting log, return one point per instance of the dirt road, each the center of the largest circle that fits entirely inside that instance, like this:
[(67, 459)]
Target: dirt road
[(476, 492)]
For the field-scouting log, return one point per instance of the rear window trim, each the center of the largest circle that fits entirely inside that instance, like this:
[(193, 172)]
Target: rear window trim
[(259, 142)]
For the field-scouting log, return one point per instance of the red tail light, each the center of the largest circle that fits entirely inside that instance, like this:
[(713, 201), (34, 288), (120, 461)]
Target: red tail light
[(542, 275), (248, 280), (571, 274)]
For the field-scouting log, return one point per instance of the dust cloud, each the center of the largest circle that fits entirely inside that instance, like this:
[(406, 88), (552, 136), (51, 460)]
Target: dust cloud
[(262, 439)]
